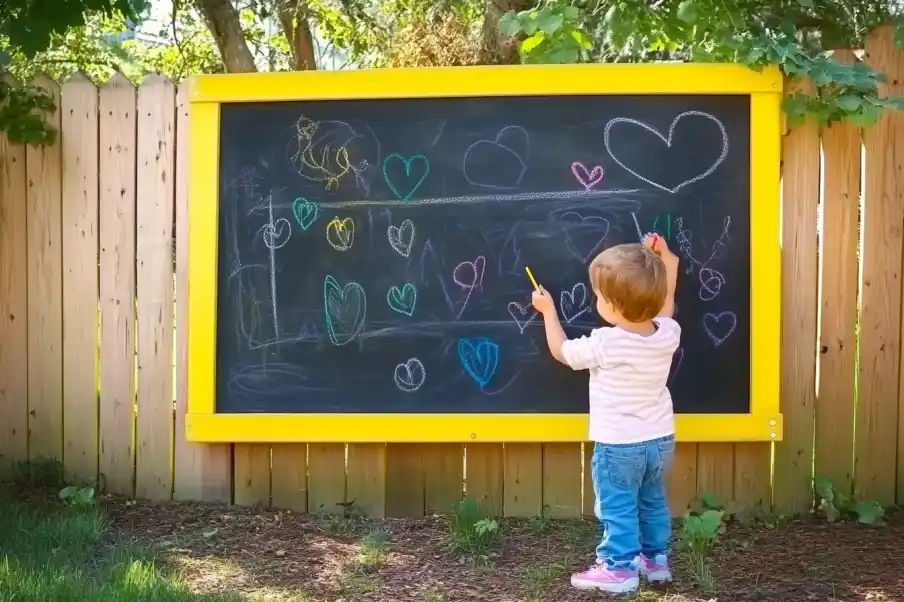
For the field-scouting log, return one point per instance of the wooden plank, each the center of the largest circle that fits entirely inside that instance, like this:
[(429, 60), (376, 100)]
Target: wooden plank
[(289, 476), (444, 466), (523, 480), (876, 438), (326, 477), (45, 291), (715, 471), (366, 478), (80, 278), (404, 480), (800, 195), (201, 472), (589, 494), (13, 307), (752, 467), (838, 252), (562, 484), (683, 478), (154, 276), (484, 476), (252, 474), (117, 284)]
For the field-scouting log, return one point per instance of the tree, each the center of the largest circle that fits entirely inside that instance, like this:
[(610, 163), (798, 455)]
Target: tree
[(793, 34), (27, 27)]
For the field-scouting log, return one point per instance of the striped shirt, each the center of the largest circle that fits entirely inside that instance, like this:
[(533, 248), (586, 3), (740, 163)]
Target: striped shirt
[(629, 400)]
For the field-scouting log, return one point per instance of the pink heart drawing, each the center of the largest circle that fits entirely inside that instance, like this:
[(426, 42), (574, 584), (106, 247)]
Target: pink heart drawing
[(588, 178), (499, 163)]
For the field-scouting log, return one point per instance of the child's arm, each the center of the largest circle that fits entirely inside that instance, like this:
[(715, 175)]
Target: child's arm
[(657, 244), (555, 334)]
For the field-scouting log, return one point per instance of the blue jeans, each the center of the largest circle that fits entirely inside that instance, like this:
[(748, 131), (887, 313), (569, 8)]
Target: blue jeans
[(630, 482)]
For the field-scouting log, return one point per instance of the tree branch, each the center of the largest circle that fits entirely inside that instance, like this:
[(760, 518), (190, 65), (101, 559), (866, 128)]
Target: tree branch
[(223, 20)]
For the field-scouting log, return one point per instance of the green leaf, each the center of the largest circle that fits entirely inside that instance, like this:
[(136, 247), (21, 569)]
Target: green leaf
[(687, 11), (509, 25), (571, 13), (549, 22), (533, 42), (565, 56), (806, 3), (830, 511), (899, 34), (710, 501), (868, 513), (823, 486)]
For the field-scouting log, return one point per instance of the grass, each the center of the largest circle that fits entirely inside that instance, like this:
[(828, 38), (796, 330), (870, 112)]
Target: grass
[(56, 553)]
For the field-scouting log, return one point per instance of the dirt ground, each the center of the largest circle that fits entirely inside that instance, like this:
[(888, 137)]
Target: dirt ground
[(282, 556)]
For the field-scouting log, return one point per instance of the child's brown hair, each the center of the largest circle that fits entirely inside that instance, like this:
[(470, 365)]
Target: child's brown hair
[(631, 278)]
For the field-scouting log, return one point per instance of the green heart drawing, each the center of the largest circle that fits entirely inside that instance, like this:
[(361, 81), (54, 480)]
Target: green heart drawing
[(305, 212), (407, 162)]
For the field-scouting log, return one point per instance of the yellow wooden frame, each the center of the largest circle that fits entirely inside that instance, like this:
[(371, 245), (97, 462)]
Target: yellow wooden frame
[(203, 423)]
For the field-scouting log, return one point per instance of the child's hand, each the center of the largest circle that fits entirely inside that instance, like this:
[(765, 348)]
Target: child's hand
[(658, 245), (543, 301)]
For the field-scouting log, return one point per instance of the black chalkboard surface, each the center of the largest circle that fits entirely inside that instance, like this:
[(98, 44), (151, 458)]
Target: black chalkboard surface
[(372, 252)]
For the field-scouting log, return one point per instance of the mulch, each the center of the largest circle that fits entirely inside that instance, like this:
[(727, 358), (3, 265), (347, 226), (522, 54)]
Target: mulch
[(286, 556)]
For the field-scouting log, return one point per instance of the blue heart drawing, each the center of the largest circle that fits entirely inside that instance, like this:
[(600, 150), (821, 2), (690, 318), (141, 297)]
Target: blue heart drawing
[(345, 309), (407, 163), (305, 212), (480, 358), (402, 299)]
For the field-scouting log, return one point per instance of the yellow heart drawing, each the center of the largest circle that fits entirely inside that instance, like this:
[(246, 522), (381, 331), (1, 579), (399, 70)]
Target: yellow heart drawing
[(340, 233)]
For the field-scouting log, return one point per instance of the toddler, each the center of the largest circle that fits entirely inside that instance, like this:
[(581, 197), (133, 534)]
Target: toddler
[(631, 418)]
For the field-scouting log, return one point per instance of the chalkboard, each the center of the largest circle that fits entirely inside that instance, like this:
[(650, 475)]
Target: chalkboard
[(371, 252)]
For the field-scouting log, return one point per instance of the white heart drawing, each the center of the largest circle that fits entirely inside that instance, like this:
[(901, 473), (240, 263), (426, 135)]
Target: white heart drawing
[(574, 309), (395, 235), (668, 142), (522, 310), (500, 143), (409, 375), (717, 322), (273, 233)]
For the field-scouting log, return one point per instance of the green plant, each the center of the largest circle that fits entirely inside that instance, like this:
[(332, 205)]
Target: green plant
[(701, 528), (474, 531), (374, 547), (536, 579), (835, 504), (551, 33), (77, 496), (541, 525)]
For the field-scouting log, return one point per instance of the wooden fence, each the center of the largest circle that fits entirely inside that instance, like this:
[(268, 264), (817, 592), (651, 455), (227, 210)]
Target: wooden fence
[(87, 344)]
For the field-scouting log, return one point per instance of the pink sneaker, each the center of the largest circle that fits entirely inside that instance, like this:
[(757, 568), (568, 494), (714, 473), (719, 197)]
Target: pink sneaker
[(655, 570), (601, 577)]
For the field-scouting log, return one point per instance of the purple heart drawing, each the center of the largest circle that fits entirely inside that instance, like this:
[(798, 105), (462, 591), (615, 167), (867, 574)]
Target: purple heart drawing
[(588, 178), (719, 326), (676, 365), (499, 163), (579, 229)]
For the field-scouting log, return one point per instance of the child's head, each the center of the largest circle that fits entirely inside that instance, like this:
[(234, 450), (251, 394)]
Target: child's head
[(629, 282)]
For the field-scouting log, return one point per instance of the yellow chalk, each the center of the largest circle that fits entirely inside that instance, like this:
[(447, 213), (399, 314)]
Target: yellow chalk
[(531, 276)]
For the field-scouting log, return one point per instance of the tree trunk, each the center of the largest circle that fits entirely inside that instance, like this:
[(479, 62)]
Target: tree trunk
[(223, 21), (297, 28), (497, 48)]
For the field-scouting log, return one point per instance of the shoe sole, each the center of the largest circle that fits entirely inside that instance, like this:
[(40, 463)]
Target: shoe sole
[(657, 576), (626, 587)]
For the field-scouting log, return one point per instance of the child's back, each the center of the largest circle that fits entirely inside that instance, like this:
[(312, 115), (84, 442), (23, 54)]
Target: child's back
[(631, 416)]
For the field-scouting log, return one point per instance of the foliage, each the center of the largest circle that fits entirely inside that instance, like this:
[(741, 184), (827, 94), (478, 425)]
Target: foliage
[(473, 530), (26, 28), (77, 496), (835, 504), (792, 34), (448, 40)]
